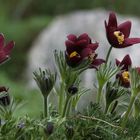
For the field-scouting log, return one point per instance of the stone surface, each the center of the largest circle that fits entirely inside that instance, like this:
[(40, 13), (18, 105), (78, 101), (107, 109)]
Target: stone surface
[(91, 22)]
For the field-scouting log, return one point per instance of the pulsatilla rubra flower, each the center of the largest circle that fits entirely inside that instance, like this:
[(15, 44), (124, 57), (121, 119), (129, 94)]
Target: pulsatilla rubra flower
[(118, 35), (5, 50), (80, 48), (124, 76)]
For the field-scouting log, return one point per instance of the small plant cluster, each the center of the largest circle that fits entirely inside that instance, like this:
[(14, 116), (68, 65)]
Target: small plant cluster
[(116, 113)]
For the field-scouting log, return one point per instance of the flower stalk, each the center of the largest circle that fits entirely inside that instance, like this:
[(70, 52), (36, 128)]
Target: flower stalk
[(61, 97), (45, 106), (108, 54), (99, 93), (65, 107), (132, 100)]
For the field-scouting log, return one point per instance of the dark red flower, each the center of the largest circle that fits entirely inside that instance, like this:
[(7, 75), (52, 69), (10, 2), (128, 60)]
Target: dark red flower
[(118, 35), (4, 96), (124, 76), (80, 48), (5, 50), (125, 63)]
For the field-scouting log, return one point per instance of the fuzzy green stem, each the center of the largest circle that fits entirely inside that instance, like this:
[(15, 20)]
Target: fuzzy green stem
[(61, 97), (69, 108), (45, 106), (108, 54), (99, 94), (65, 106), (132, 100)]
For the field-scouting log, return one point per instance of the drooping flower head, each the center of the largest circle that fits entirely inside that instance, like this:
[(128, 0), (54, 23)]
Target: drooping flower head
[(80, 48), (5, 50), (124, 76), (118, 35)]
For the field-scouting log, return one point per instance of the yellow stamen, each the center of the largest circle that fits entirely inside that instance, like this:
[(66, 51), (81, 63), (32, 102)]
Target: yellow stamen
[(73, 54), (120, 36), (125, 76)]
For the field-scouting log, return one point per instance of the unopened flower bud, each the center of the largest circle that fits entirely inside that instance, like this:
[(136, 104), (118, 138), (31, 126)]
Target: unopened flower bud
[(45, 81), (49, 128), (69, 132), (72, 90)]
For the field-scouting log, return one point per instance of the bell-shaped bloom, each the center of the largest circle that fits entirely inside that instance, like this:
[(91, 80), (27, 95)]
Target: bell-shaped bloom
[(124, 76), (5, 50), (80, 48), (118, 35)]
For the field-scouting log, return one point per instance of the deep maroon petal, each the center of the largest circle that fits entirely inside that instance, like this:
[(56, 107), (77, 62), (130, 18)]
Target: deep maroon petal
[(82, 43), (83, 36), (69, 43), (72, 37), (111, 37), (86, 52), (1, 41), (125, 28), (126, 62), (97, 62), (8, 48), (112, 22), (93, 46), (70, 46), (117, 62), (131, 41)]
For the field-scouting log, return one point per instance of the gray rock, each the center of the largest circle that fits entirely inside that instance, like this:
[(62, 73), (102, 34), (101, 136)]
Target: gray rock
[(91, 22)]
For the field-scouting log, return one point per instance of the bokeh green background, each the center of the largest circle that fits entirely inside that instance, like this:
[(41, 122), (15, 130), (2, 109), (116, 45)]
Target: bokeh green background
[(23, 20)]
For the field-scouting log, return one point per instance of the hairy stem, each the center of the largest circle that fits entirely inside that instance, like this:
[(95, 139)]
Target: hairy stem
[(132, 100), (61, 97), (45, 106), (108, 54), (65, 106), (99, 94)]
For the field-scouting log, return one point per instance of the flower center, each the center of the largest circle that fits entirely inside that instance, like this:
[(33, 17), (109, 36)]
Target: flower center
[(125, 76), (73, 54), (120, 36)]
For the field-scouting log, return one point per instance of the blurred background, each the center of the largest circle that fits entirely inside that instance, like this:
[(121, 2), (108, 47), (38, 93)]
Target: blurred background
[(23, 20)]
